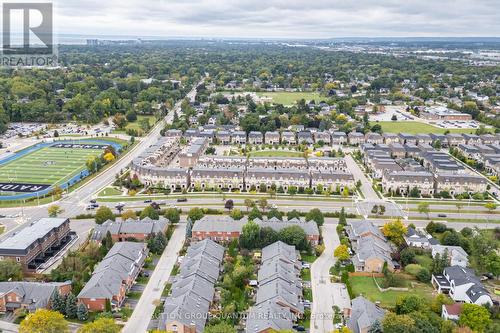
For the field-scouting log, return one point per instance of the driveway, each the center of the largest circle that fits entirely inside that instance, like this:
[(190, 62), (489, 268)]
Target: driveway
[(325, 293), (145, 307)]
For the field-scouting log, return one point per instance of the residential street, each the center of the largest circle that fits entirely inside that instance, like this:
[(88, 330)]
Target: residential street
[(366, 185), (141, 316), (324, 292)]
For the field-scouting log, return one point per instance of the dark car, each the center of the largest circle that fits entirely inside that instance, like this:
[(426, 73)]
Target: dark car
[(182, 200), (148, 201), (93, 201), (441, 215)]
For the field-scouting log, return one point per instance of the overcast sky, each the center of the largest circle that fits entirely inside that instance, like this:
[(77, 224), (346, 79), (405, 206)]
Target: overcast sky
[(279, 18)]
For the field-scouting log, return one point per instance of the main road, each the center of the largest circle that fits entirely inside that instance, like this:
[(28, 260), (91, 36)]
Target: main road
[(75, 202)]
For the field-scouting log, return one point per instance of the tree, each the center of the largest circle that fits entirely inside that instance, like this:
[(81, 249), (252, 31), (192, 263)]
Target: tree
[(254, 214), (173, 215), (229, 204), (103, 214), (157, 243), (395, 231), (195, 214), (393, 323), (249, 203), (294, 235), (107, 242), (410, 303), (451, 237), (490, 206), (376, 327), (476, 317), (268, 236), (237, 214), (275, 213), (341, 252), (82, 313), (342, 218), (220, 328), (407, 256), (316, 215), (71, 308), (249, 238), (58, 303), (54, 210), (129, 214), (101, 325), (423, 208), (293, 214), (44, 321), (10, 270), (345, 192), (263, 204), (150, 212)]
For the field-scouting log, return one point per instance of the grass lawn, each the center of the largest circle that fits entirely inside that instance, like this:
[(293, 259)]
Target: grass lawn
[(364, 285), (289, 98), (276, 153), (415, 127), (308, 258), (307, 292), (109, 191), (424, 261), (305, 275), (134, 295), (135, 125)]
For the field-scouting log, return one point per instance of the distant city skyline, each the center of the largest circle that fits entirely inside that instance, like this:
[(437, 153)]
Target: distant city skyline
[(292, 19)]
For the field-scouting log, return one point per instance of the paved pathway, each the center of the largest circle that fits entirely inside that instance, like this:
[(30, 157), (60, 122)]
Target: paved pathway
[(141, 316)]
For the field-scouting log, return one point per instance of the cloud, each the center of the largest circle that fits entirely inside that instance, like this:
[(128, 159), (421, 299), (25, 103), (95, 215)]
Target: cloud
[(279, 18)]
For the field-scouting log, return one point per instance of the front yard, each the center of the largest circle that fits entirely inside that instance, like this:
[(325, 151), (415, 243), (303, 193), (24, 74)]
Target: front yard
[(364, 285)]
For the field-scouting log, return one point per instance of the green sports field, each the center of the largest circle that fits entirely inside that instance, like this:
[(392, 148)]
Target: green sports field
[(48, 166), (415, 127), (290, 98)]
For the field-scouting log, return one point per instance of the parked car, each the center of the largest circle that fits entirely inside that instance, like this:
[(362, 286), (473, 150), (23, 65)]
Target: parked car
[(90, 207), (148, 201), (93, 201)]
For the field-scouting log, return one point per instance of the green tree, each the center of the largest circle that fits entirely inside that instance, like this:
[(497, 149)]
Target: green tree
[(316, 215), (249, 203), (268, 236), (71, 308), (157, 243), (393, 323), (263, 204), (101, 325), (195, 214), (128, 214), (82, 313), (342, 217), (275, 213), (254, 214), (423, 208), (173, 215), (476, 317), (10, 270), (103, 214), (44, 321), (341, 252), (410, 303), (490, 206), (407, 256), (150, 212), (236, 214), (294, 235), (249, 238), (293, 214)]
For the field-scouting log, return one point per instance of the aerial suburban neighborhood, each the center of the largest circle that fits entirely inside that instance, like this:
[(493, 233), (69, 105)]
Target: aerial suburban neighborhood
[(244, 167)]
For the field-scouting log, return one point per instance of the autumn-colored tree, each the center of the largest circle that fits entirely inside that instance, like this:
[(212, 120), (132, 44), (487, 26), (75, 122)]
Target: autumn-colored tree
[(341, 252), (395, 231), (44, 321), (54, 210), (129, 214), (108, 157), (101, 325)]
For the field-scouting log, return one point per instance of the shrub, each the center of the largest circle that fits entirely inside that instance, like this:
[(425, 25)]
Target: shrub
[(413, 269)]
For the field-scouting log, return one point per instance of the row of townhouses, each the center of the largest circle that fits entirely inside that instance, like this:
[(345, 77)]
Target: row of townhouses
[(114, 276), (487, 155), (428, 170), (186, 309), (224, 229), (278, 301), (139, 230)]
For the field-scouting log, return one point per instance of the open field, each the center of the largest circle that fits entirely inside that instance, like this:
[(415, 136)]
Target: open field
[(47, 166), (276, 153), (135, 125), (415, 127), (364, 285), (289, 98)]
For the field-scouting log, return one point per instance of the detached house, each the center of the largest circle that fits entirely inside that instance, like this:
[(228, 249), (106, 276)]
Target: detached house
[(30, 295), (462, 285), (456, 255), (364, 314)]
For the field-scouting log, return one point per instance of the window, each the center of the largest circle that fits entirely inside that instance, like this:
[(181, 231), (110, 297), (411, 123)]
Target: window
[(18, 259)]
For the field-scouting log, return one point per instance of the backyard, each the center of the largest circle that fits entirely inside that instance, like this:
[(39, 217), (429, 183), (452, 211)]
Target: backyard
[(364, 285), (276, 153)]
